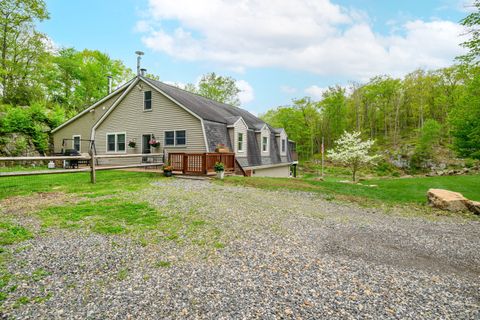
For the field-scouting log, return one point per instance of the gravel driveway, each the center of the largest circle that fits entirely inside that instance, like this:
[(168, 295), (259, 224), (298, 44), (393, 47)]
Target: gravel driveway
[(284, 255)]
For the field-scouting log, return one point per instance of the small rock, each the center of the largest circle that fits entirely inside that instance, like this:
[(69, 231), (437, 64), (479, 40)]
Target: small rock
[(473, 206)]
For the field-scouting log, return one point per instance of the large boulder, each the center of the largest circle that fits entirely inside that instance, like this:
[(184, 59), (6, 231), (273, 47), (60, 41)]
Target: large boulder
[(447, 200), (451, 201)]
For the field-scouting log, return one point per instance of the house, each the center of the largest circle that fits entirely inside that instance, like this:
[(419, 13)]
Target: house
[(182, 122)]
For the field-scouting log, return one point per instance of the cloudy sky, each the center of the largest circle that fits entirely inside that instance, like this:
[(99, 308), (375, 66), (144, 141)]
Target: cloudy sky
[(276, 49)]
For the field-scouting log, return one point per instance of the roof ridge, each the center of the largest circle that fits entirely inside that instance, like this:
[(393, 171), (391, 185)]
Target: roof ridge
[(189, 92), (221, 110)]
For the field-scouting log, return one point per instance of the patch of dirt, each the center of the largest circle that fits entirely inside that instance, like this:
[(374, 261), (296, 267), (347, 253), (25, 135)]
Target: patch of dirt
[(19, 205)]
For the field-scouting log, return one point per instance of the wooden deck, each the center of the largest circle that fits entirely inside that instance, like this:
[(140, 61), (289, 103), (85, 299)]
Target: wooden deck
[(201, 163)]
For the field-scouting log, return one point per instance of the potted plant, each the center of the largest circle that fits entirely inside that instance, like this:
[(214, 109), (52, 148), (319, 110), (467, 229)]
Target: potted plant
[(167, 170), (221, 148), (132, 143), (220, 170), (154, 143)]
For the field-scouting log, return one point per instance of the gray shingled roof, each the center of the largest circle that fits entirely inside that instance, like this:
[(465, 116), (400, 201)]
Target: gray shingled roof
[(205, 108), (217, 116)]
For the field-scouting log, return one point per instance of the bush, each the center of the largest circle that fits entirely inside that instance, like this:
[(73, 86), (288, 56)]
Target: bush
[(384, 168), (428, 139), (34, 121), (470, 163)]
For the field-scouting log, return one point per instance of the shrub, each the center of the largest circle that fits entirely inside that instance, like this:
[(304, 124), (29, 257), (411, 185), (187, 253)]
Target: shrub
[(219, 166)]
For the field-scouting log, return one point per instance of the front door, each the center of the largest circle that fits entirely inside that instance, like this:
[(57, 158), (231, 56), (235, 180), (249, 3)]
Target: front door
[(146, 148)]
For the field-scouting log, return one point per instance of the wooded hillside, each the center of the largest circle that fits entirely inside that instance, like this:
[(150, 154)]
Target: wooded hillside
[(417, 117)]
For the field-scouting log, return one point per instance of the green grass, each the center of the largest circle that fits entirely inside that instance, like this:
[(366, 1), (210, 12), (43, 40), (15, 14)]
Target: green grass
[(23, 168), (108, 216), (163, 264), (11, 233), (122, 274), (108, 182), (391, 191)]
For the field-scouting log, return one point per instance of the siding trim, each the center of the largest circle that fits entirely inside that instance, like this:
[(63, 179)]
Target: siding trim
[(235, 123), (91, 107), (105, 115), (266, 166), (184, 108)]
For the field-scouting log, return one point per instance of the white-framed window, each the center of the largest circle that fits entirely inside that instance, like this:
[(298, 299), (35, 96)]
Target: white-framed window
[(175, 138), (116, 142), (147, 100), (76, 142), (265, 144), (240, 142), (180, 138), (284, 145)]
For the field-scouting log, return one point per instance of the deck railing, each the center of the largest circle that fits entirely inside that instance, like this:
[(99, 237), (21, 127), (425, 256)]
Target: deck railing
[(201, 163)]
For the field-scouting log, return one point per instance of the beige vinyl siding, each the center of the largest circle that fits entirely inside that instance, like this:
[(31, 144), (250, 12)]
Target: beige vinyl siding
[(82, 127), (240, 127), (282, 136), (165, 115), (276, 172)]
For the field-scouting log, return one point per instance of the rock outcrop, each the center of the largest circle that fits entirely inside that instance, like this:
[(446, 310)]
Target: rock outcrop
[(451, 201)]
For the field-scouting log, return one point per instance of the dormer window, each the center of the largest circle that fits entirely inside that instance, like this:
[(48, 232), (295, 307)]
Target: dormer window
[(284, 144), (147, 100), (264, 144), (240, 142)]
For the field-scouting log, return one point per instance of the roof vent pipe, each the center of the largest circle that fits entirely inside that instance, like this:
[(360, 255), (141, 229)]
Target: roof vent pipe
[(139, 58), (109, 84), (143, 72)]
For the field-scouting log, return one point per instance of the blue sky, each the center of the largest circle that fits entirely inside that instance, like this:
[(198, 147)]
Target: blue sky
[(278, 50)]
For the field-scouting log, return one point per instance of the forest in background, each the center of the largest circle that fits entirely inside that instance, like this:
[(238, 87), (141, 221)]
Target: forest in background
[(410, 117), (422, 116)]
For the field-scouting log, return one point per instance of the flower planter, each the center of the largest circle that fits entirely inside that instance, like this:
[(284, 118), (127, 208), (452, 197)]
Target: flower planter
[(220, 175), (167, 173)]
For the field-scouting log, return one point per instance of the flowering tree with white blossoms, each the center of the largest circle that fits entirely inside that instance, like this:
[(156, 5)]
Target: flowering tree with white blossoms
[(352, 151)]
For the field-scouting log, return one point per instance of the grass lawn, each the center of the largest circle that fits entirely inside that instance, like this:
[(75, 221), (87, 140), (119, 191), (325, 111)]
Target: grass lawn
[(107, 207), (391, 191), (110, 207), (108, 182)]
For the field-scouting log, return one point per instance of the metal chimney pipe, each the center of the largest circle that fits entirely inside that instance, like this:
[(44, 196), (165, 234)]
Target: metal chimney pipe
[(143, 72), (109, 84), (139, 58)]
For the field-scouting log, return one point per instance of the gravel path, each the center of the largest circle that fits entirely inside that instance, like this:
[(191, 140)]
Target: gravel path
[(286, 255)]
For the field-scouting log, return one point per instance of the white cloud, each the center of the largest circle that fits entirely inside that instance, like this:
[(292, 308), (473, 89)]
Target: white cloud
[(315, 92), (288, 89), (142, 26), (314, 36), (177, 84), (246, 94)]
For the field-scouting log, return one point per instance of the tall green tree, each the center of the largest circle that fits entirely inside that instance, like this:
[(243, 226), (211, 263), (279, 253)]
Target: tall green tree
[(472, 25), (21, 48), (79, 78), (427, 141), (219, 88), (465, 118), (333, 110)]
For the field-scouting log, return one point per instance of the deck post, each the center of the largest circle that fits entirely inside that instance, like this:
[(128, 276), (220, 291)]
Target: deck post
[(185, 163), (93, 176)]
